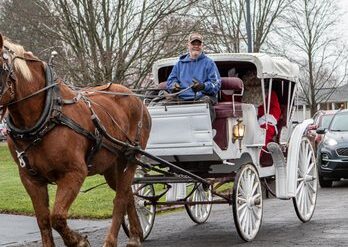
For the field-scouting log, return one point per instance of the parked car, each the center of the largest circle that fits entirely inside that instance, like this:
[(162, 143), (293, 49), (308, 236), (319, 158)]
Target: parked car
[(332, 154), (321, 119)]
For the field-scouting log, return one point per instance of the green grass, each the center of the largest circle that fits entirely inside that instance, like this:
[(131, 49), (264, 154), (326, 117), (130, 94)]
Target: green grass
[(97, 203)]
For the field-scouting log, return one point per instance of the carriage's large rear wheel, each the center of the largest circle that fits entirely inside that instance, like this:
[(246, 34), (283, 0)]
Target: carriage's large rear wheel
[(247, 202), (146, 211), (307, 182), (199, 213)]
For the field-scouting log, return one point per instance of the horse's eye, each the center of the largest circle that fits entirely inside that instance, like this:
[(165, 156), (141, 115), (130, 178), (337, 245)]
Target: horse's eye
[(5, 55)]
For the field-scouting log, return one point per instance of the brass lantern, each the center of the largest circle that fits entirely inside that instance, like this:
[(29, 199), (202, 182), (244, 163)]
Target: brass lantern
[(238, 132)]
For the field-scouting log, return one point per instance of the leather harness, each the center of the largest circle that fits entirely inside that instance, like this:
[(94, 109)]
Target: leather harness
[(52, 116)]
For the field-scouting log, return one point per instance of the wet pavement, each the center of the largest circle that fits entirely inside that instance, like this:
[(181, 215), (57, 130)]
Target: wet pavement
[(18, 230), (280, 227)]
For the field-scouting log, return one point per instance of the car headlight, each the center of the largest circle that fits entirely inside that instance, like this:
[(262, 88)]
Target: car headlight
[(330, 142)]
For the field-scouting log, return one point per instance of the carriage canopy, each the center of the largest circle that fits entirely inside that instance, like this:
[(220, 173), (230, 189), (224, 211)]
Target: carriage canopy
[(266, 66)]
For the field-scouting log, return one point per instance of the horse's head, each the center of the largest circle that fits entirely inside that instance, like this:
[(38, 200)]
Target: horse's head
[(7, 74)]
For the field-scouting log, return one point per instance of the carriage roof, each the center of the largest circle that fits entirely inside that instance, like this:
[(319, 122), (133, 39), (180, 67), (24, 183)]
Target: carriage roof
[(267, 66)]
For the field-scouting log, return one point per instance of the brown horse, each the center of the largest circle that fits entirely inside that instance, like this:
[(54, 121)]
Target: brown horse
[(53, 140)]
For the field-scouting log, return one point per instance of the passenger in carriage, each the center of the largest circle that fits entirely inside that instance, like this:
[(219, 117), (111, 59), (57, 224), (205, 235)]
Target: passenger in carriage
[(269, 121), (197, 70)]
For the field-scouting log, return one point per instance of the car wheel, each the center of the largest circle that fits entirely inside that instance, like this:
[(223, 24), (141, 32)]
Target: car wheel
[(325, 183)]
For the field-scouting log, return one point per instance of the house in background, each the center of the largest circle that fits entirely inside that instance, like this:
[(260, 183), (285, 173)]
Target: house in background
[(335, 98)]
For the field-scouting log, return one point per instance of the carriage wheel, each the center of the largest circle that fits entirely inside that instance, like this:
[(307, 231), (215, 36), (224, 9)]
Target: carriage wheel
[(199, 213), (307, 182), (146, 213), (247, 202)]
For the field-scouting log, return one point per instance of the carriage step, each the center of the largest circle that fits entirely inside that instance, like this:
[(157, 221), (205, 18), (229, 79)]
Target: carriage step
[(277, 154), (280, 169)]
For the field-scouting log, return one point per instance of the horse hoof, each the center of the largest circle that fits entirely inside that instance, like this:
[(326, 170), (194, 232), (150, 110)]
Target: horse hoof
[(134, 242), (106, 244), (84, 243)]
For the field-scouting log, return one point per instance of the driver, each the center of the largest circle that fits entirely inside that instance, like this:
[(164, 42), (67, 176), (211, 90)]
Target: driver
[(197, 70)]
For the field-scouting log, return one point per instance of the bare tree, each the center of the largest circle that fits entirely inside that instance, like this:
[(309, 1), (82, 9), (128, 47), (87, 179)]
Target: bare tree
[(113, 41), (21, 21), (222, 23), (312, 42), (103, 40), (265, 15), (225, 22)]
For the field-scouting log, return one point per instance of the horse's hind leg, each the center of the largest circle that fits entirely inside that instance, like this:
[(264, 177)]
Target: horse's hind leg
[(135, 231), (39, 197), (68, 188), (124, 178)]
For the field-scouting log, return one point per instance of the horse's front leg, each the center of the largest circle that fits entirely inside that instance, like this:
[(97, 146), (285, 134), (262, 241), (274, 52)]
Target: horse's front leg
[(124, 179), (68, 188), (39, 196)]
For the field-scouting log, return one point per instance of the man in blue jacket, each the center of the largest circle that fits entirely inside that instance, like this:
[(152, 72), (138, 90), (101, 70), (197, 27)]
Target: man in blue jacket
[(197, 70)]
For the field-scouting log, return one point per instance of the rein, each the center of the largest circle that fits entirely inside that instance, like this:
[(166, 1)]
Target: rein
[(136, 94), (31, 95)]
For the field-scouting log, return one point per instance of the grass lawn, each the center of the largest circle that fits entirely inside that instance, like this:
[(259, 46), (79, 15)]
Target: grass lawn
[(97, 203)]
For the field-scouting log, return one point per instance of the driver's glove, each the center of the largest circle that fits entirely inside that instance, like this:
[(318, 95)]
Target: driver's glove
[(197, 86), (176, 87)]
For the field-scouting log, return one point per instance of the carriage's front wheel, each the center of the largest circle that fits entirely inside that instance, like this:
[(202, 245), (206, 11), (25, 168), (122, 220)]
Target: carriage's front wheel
[(199, 213), (247, 202), (307, 182), (145, 210)]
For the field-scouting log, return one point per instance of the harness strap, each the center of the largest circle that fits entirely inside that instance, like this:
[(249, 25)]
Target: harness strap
[(64, 120), (31, 95)]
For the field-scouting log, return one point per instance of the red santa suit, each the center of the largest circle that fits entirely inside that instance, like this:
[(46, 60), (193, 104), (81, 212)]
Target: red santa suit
[(270, 119)]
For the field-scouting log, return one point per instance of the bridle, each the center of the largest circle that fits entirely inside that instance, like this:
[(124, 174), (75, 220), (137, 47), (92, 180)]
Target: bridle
[(7, 75)]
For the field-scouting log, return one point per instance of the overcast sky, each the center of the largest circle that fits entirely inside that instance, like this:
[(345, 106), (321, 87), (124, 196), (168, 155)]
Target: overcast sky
[(343, 5)]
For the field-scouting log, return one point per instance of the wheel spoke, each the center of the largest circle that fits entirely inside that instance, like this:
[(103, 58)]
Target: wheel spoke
[(256, 185), (250, 222), (242, 206), (309, 195), (241, 199), (299, 188), (310, 186), (311, 165), (256, 215)]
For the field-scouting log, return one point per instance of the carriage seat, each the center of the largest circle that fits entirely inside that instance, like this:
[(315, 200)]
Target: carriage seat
[(231, 86), (229, 105), (230, 94)]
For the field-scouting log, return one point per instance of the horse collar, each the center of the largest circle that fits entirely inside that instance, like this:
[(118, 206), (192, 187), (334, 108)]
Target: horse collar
[(51, 104)]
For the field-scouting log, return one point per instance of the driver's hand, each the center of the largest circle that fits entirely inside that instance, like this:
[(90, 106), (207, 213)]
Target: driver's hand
[(176, 87), (197, 86)]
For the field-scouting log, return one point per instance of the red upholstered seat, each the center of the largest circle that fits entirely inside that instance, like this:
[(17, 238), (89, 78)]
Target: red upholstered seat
[(229, 87), (224, 108)]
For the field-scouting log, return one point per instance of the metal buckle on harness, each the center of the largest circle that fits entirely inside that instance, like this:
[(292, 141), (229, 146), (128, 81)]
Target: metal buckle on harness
[(21, 159)]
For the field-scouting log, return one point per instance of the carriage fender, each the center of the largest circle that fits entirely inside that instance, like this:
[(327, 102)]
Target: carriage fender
[(293, 155)]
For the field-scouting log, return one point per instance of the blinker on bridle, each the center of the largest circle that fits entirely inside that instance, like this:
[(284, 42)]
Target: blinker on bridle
[(7, 70)]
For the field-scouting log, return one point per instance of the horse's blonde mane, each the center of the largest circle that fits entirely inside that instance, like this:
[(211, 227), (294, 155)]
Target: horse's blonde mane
[(19, 64)]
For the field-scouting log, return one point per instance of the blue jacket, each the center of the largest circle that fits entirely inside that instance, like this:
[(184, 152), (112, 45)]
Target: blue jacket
[(202, 69)]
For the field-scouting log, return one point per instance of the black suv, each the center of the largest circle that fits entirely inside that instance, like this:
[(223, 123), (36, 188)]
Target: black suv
[(332, 154)]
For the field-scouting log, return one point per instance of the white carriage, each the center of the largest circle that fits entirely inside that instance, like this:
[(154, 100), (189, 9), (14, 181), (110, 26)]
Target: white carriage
[(197, 156)]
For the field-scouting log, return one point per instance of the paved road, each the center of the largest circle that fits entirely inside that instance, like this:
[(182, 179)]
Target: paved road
[(280, 227)]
